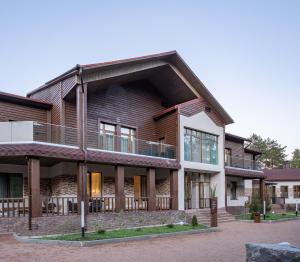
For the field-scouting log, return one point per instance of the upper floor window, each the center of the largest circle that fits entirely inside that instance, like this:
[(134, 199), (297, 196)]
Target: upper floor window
[(107, 136), (227, 156), (297, 191), (200, 146), (128, 140)]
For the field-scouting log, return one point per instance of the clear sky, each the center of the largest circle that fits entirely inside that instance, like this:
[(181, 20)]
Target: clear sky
[(247, 53)]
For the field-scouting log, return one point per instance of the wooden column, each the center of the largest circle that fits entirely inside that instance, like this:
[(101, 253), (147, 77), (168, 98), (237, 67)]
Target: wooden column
[(35, 202), (262, 189), (119, 188), (81, 186), (174, 189), (81, 111), (151, 190)]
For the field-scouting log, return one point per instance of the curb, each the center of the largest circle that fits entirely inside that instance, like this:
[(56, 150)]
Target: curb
[(26, 239), (272, 221)]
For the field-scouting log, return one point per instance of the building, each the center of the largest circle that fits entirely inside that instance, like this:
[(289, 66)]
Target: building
[(140, 134), (283, 186)]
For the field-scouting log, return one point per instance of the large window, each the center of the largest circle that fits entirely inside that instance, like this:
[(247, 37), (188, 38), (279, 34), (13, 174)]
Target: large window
[(94, 184), (128, 140), (200, 147), (297, 191), (107, 136), (11, 185), (284, 191)]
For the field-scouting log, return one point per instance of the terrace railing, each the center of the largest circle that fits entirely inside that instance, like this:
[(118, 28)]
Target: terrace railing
[(243, 163), (31, 131), (125, 144), (59, 206), (13, 207), (163, 203)]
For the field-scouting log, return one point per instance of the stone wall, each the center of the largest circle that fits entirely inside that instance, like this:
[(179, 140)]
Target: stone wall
[(71, 224), (64, 185), (45, 187)]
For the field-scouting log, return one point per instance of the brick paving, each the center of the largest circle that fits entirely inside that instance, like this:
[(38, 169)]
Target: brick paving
[(227, 245)]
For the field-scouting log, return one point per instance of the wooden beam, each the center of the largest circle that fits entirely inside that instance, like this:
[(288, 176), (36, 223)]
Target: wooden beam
[(81, 186), (35, 203), (174, 189), (119, 188), (151, 190)]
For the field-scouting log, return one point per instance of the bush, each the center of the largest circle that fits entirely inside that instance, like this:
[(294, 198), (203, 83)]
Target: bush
[(255, 205), (138, 229), (283, 214), (170, 225), (100, 231), (194, 221)]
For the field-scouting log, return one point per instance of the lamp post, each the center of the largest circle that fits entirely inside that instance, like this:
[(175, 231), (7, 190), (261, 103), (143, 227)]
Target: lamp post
[(264, 209), (82, 219), (296, 208)]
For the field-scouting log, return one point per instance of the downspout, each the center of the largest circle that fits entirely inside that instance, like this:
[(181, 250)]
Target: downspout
[(83, 119)]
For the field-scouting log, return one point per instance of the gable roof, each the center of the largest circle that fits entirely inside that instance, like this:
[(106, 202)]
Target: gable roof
[(172, 57), (285, 174), (21, 100)]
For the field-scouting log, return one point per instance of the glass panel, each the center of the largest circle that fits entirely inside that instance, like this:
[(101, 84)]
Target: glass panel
[(127, 140), (96, 184), (16, 185), (187, 148)]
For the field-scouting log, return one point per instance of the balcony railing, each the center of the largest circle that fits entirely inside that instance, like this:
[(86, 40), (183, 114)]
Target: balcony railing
[(31, 131), (243, 163), (125, 144)]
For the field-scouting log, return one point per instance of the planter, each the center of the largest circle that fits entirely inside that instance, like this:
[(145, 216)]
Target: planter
[(256, 217)]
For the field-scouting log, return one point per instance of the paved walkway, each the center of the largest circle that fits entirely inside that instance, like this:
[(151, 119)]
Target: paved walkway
[(227, 245)]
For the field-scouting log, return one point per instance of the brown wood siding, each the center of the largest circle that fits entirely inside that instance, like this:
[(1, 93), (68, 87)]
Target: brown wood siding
[(54, 94), (70, 114), (167, 127), (11, 111), (131, 105), (198, 105)]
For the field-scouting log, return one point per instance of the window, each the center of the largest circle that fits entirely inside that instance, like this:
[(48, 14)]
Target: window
[(296, 191), (227, 156), (94, 184), (11, 185), (128, 140), (233, 190), (107, 136), (200, 147), (284, 191), (140, 188)]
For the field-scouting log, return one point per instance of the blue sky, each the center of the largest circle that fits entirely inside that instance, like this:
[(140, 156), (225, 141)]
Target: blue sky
[(246, 52)]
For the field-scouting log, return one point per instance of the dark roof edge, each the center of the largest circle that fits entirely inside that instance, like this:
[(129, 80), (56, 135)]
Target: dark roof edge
[(61, 77), (16, 99), (233, 137)]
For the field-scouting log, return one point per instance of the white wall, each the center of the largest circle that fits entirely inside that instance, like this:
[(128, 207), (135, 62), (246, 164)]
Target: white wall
[(203, 122)]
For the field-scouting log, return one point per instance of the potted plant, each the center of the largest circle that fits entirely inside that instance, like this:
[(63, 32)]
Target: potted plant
[(255, 208)]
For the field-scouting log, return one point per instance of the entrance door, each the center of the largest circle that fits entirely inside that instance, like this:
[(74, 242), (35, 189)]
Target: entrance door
[(273, 194)]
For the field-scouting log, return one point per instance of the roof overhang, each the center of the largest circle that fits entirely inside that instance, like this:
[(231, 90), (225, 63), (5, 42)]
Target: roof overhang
[(244, 173)]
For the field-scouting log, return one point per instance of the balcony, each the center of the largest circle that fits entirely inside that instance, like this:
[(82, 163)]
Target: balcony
[(30, 131), (243, 163), (129, 145)]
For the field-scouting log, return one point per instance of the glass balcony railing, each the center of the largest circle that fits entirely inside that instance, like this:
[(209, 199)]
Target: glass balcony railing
[(243, 163), (130, 145), (31, 131)]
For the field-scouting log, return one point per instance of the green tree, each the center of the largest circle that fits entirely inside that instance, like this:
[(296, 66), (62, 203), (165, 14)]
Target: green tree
[(273, 154), (295, 163)]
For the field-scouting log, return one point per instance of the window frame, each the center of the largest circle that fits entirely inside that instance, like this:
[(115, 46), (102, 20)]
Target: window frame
[(8, 184), (296, 193)]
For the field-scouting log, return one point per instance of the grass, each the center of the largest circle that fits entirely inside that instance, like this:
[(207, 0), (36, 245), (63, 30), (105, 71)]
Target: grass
[(121, 233), (269, 216)]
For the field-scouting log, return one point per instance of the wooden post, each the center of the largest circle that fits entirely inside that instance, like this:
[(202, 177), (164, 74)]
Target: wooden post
[(35, 204), (174, 189), (119, 188), (262, 189), (151, 190), (81, 187)]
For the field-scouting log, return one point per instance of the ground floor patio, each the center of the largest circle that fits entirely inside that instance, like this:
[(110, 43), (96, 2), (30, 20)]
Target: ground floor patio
[(226, 245)]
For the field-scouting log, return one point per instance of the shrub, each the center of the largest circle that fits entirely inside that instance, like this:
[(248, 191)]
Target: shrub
[(255, 205), (194, 221), (283, 214), (100, 231), (170, 225), (138, 229)]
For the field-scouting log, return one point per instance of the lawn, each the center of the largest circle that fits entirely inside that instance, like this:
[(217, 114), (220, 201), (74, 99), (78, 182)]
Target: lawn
[(121, 233), (269, 216)]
